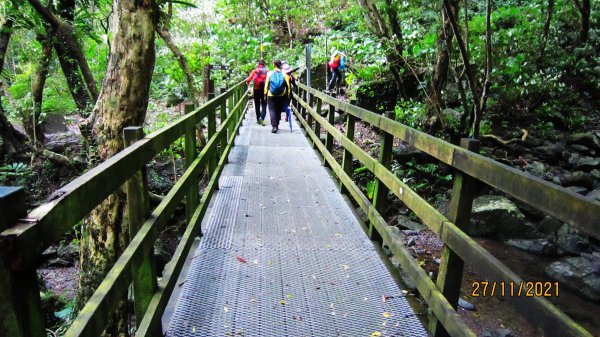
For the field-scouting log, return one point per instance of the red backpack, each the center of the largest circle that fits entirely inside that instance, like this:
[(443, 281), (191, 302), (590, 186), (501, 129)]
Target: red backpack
[(260, 77)]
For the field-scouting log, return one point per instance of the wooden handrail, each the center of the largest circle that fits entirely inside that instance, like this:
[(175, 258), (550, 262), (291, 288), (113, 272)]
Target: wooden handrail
[(538, 310), (572, 208)]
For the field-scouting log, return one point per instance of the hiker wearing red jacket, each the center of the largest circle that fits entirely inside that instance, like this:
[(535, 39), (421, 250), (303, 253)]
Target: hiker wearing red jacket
[(259, 76)]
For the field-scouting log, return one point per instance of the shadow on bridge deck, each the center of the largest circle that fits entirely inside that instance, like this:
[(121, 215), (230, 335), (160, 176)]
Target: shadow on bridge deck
[(283, 253)]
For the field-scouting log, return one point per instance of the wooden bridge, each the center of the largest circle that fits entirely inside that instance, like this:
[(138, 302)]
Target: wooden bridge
[(282, 251)]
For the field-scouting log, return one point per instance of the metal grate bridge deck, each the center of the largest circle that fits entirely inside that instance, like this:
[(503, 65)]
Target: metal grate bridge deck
[(283, 254)]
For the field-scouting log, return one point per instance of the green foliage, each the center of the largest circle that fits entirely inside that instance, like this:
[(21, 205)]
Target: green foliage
[(424, 178), (411, 113), (15, 174)]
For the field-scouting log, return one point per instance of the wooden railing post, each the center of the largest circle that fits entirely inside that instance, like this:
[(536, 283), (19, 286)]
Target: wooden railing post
[(308, 117), (192, 198), (347, 155), (329, 136), (380, 192), (143, 270), (223, 115), (306, 97), (231, 104), (317, 126), (21, 312), (451, 266), (212, 129)]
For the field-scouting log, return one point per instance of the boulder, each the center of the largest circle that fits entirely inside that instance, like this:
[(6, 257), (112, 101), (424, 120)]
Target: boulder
[(577, 178), (68, 252), (577, 189), (536, 246), (595, 195), (550, 152), (497, 216), (582, 149), (570, 241), (498, 333), (584, 163), (406, 222), (587, 139), (549, 226), (581, 274), (539, 170)]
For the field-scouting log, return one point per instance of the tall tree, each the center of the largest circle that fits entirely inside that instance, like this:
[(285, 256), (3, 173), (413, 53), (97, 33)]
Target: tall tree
[(11, 140), (66, 33), (390, 34), (38, 82), (122, 102), (584, 8)]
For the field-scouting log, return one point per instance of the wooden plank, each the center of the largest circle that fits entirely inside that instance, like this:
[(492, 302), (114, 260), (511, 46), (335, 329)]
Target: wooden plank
[(12, 205), (21, 244), (380, 193), (150, 324), (451, 266)]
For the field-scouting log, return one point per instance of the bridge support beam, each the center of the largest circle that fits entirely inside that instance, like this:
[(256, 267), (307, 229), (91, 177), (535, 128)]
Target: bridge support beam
[(451, 266), (380, 193)]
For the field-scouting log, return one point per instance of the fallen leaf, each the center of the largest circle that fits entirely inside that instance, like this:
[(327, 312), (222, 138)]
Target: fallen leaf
[(255, 261), (253, 300), (387, 314), (225, 309), (289, 296), (298, 318), (282, 302), (283, 213), (242, 259), (376, 334), (345, 266), (338, 234)]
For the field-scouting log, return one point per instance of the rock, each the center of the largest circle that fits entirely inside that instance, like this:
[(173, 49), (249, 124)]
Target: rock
[(587, 139), (549, 226), (59, 263), (595, 195), (595, 173), (50, 253), (411, 241), (539, 170), (406, 222), (581, 274), (498, 333), (173, 99), (68, 252), (550, 152), (577, 178), (582, 149), (531, 141), (570, 240), (465, 305), (585, 163), (495, 215), (536, 246), (577, 189)]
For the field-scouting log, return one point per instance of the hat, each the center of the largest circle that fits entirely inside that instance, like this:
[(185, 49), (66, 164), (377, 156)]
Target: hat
[(286, 68), (261, 62)]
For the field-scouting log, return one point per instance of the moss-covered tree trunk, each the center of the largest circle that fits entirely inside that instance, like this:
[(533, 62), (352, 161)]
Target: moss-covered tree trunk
[(122, 102), (31, 120)]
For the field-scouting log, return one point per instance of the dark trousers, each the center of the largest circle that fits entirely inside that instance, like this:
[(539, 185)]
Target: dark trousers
[(335, 78), (276, 105), (260, 104)]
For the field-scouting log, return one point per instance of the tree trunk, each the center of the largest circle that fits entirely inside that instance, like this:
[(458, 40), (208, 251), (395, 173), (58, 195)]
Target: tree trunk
[(11, 139), (440, 73), (164, 34), (32, 118), (549, 13), (68, 64), (65, 31), (584, 8), (122, 102)]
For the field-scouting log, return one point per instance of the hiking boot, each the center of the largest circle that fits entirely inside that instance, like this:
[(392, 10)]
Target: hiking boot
[(274, 130), (262, 122)]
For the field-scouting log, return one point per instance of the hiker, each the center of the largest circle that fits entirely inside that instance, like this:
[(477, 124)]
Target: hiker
[(277, 90), (259, 76), (286, 69), (336, 64)]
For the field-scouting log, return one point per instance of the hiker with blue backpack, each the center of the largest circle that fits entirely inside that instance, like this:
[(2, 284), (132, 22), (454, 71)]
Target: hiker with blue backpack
[(259, 76), (277, 90), (336, 64)]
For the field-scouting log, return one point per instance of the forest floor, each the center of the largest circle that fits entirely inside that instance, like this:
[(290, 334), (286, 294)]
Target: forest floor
[(491, 315)]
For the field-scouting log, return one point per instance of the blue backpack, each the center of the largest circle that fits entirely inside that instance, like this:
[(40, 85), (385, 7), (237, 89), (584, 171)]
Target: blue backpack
[(277, 85)]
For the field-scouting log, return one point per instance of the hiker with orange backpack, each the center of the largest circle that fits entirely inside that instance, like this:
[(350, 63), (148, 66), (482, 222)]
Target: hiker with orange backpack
[(259, 76), (277, 90), (336, 64)]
